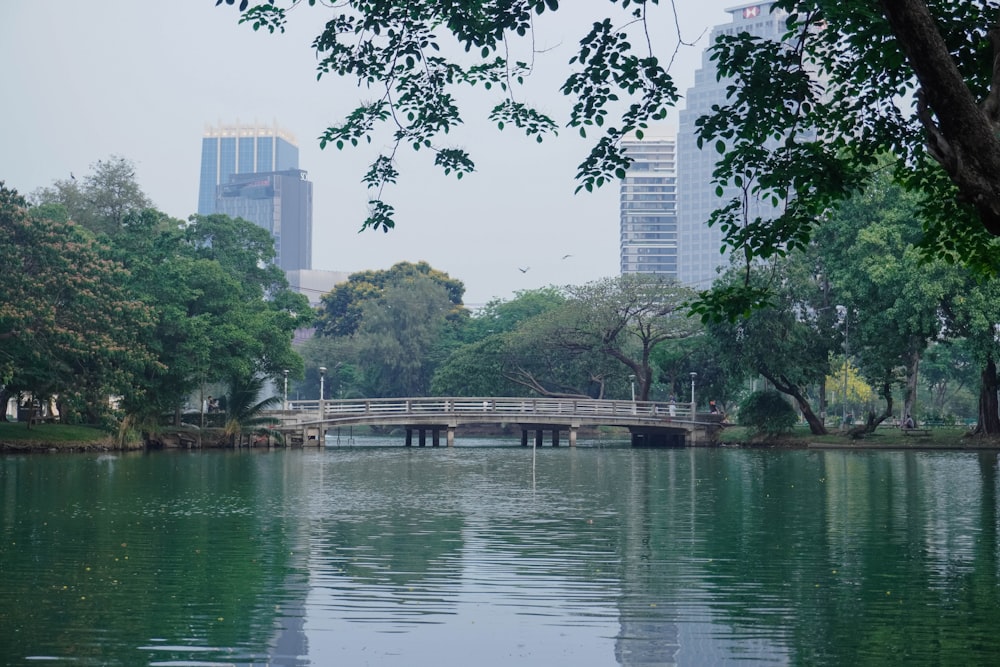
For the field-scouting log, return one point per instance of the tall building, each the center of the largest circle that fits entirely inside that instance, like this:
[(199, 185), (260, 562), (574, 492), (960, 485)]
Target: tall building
[(280, 202), (252, 172), (649, 207), (241, 149), (699, 245)]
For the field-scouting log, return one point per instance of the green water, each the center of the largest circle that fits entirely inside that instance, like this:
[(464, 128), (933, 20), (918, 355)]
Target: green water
[(500, 555)]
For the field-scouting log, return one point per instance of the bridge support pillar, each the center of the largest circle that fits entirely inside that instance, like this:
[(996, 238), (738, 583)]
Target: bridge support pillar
[(451, 436), (436, 437), (538, 437), (555, 437), (572, 436), (422, 437), (409, 437), (524, 437)]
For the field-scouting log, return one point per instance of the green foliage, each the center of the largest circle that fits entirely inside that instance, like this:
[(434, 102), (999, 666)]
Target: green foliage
[(581, 341), (68, 323), (767, 413), (341, 309), (384, 333), (102, 200), (807, 120), (398, 341), (244, 406)]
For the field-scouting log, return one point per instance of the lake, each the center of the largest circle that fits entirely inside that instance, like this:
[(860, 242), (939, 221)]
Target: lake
[(488, 553)]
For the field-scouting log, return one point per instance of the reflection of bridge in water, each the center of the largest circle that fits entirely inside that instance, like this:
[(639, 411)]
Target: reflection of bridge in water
[(649, 423)]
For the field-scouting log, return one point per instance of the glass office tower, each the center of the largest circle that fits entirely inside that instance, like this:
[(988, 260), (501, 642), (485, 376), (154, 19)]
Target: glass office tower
[(649, 207), (699, 245), (252, 172), (241, 149), (281, 203)]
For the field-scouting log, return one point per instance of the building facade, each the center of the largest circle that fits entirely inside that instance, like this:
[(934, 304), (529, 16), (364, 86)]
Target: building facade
[(648, 207), (241, 149), (699, 256), (252, 172), (281, 202)]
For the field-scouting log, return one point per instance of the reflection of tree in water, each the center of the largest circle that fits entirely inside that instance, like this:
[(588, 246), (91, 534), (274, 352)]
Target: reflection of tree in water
[(134, 548), (870, 554), (403, 548)]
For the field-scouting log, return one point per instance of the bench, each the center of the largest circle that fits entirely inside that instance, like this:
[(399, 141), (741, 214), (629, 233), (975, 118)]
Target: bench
[(919, 432)]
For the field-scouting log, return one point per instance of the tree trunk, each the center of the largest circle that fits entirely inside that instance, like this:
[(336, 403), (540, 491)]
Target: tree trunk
[(5, 396), (910, 398), (816, 425), (989, 416), (961, 135)]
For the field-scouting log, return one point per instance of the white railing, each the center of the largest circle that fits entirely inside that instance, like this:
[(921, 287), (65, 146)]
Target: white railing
[(499, 407)]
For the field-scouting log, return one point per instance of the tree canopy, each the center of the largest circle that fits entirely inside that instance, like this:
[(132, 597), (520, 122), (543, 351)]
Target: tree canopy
[(805, 123)]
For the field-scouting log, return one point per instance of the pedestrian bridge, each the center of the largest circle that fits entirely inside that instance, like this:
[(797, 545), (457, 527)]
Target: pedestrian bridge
[(650, 423)]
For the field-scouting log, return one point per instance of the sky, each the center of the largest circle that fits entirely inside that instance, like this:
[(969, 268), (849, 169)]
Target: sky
[(142, 79)]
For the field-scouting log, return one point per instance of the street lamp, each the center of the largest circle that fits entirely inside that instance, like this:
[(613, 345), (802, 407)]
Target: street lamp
[(284, 401), (321, 441), (322, 395), (631, 379), (693, 376), (847, 359)]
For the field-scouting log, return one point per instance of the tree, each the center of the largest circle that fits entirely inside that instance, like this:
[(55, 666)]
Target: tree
[(827, 98), (492, 352), (893, 297), (787, 341), (222, 308), (499, 316), (972, 313), (244, 407), (68, 323), (101, 200), (608, 323), (767, 413), (341, 309), (403, 337)]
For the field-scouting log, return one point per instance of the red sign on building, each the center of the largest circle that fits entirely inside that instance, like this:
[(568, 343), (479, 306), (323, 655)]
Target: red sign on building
[(751, 12)]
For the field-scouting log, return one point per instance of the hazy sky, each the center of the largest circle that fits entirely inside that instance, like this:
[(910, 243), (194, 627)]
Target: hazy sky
[(142, 79)]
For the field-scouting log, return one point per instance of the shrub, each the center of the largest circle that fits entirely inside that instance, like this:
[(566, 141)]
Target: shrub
[(767, 413)]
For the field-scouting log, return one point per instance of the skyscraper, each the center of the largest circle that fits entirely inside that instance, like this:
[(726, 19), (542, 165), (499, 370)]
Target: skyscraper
[(241, 149), (699, 245), (281, 203), (649, 207), (252, 172)]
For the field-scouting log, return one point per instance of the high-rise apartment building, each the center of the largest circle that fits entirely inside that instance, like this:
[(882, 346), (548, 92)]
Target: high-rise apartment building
[(699, 245), (649, 207), (252, 172)]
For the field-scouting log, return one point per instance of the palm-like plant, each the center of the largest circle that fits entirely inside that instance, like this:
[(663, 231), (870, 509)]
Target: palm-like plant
[(243, 409)]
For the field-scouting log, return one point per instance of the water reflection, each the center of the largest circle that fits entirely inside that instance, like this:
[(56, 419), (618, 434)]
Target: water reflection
[(497, 555)]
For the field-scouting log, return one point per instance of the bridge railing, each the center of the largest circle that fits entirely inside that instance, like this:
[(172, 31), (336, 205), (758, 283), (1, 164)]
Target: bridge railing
[(387, 407)]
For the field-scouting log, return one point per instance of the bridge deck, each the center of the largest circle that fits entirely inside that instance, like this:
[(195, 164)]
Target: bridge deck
[(640, 417)]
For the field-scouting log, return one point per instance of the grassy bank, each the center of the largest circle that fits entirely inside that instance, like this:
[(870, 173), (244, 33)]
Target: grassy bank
[(16, 437), (43, 437), (943, 437)]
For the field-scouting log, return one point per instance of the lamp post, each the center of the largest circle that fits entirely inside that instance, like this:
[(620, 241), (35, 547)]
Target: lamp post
[(322, 407), (847, 352), (284, 400), (322, 395), (631, 379), (693, 376)]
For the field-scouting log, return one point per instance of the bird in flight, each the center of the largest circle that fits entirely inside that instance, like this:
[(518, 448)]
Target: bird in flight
[(524, 270), (566, 256)]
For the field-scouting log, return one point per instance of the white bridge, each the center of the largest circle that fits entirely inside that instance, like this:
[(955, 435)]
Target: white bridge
[(650, 423)]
